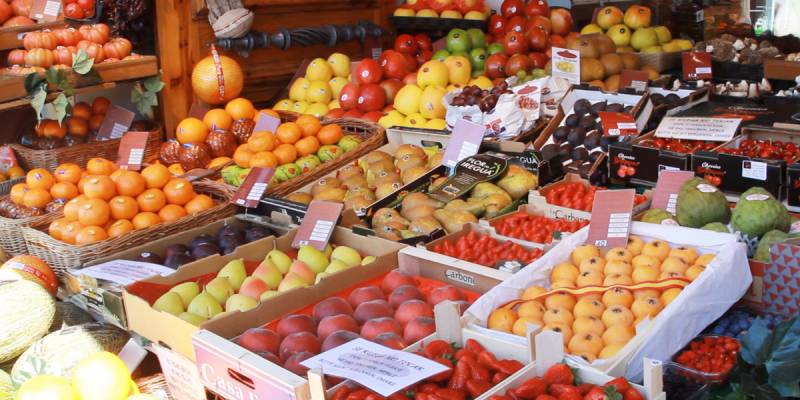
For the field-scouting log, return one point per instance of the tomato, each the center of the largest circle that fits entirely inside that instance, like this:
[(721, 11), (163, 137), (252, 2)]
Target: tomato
[(39, 58), (40, 40), (62, 55), (17, 57), (117, 48), (73, 11), (97, 33), (67, 36)]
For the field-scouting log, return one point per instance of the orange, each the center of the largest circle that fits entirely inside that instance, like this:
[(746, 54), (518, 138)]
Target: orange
[(69, 232), (96, 121), (145, 220), (201, 202), (309, 124), (123, 207), (100, 105), (68, 172), (100, 166), (330, 134), (90, 234), (114, 175), (286, 153), (56, 227), (64, 190), (16, 172), (119, 228), (156, 176), (130, 183), (289, 132), (264, 159), (39, 178), (218, 162), (176, 169), (36, 198), (179, 191), (261, 141), (307, 145), (171, 212), (242, 156), (99, 187), (151, 200), (82, 110), (72, 207), (53, 129), (240, 108), (271, 112), (191, 130), (18, 192), (218, 119), (94, 212)]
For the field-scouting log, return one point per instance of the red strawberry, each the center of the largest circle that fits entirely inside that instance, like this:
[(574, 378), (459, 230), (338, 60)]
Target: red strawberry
[(559, 389), (559, 373), (632, 394), (586, 387), (545, 397), (603, 393), (621, 384)]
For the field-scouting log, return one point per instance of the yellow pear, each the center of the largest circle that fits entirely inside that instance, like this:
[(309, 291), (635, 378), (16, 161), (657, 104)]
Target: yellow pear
[(299, 89), (407, 99), (459, 69)]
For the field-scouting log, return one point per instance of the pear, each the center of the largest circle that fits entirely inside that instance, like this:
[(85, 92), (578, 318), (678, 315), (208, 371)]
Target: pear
[(235, 272), (169, 302), (484, 189), (269, 273), (474, 207), (453, 221), (328, 251), (302, 271), (220, 288), (313, 258), (338, 265), (204, 305), (519, 184), (193, 319), (240, 302), (424, 226), (291, 281), (663, 33), (385, 215), (268, 294), (321, 276), (187, 291), (367, 260), (347, 255), (280, 260)]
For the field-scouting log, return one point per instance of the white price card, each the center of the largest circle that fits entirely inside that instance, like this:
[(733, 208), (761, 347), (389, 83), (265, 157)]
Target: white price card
[(566, 64), (698, 128), (125, 272), (464, 142), (754, 170)]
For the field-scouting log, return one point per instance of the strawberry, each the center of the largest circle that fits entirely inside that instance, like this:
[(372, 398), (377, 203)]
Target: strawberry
[(621, 384), (545, 397), (632, 394), (559, 374), (603, 393), (557, 389), (586, 387)]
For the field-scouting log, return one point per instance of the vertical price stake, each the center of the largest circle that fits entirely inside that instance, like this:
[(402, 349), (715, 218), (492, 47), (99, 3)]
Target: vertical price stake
[(669, 184), (318, 224), (611, 218), (617, 124), (696, 65), (131, 150), (266, 122), (118, 120), (253, 187), (464, 142)]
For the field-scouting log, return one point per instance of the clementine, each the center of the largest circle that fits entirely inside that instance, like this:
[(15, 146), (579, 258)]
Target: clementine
[(90, 234), (100, 105), (156, 176), (309, 124), (171, 212), (72, 207), (82, 110), (94, 212), (145, 220), (179, 191), (191, 131), (289, 132), (130, 183), (55, 227), (264, 159), (99, 187), (307, 145), (201, 202), (217, 118), (69, 232), (151, 200), (39, 178), (330, 134), (100, 166), (176, 169), (119, 228), (64, 191), (261, 141), (123, 207), (68, 172), (54, 129), (36, 198), (242, 156), (286, 153), (18, 192), (240, 108)]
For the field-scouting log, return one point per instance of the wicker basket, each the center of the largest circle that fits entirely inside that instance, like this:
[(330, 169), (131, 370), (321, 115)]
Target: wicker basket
[(662, 61), (79, 154), (12, 239), (5, 186), (61, 256)]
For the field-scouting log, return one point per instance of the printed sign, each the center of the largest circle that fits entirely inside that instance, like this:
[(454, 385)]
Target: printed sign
[(698, 128), (181, 375), (266, 122), (617, 124), (7, 158), (464, 142), (611, 218), (117, 121), (131, 150), (318, 224), (754, 170), (566, 64), (125, 272), (45, 10), (637, 80), (253, 188), (669, 184), (470, 172), (696, 65)]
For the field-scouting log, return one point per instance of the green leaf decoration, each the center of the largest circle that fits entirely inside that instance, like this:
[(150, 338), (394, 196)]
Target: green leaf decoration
[(37, 102), (60, 104), (32, 82), (82, 63), (145, 94), (756, 343), (153, 84)]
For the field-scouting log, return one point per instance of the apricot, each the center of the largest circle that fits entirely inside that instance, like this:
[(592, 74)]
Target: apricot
[(531, 309), (565, 330), (364, 294), (618, 297), (333, 323), (372, 309), (619, 254), (560, 299), (588, 325), (295, 323), (558, 315), (588, 308), (419, 328), (376, 326), (260, 340), (635, 245), (584, 252), (331, 306), (617, 315), (411, 309), (299, 342), (594, 263), (403, 294)]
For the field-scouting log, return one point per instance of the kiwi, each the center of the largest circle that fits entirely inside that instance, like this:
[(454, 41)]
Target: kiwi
[(582, 106), (572, 120), (576, 136), (588, 122), (579, 154), (615, 107), (592, 140), (560, 134)]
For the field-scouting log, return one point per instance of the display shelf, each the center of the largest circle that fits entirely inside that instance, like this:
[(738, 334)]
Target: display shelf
[(11, 37)]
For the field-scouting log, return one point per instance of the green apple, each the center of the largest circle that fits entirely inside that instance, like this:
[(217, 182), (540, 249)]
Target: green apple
[(313, 258), (308, 163), (348, 255), (187, 291), (220, 288), (440, 55), (240, 302), (329, 152), (193, 319), (204, 305), (169, 302), (336, 266), (477, 57), (280, 260), (367, 260), (235, 272), (495, 48), (349, 142), (458, 40), (476, 38)]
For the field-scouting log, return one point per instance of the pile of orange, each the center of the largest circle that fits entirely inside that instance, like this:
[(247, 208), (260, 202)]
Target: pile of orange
[(85, 118), (106, 202)]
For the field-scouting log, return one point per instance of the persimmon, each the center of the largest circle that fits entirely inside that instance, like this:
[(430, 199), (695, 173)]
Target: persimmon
[(308, 124), (156, 176), (199, 203), (288, 132), (90, 234), (286, 153), (64, 190), (99, 187), (171, 212), (36, 198), (123, 207), (145, 220), (82, 110), (120, 227), (151, 200), (96, 121), (179, 191), (94, 212), (68, 172), (330, 134), (100, 105), (77, 126), (39, 178), (130, 183), (240, 108)]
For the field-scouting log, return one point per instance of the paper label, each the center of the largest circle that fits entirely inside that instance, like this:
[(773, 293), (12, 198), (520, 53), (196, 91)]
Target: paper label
[(7, 158), (117, 121), (45, 10), (706, 188), (669, 184), (696, 65), (566, 64), (697, 128), (266, 122), (181, 375), (754, 170), (383, 370), (464, 141), (253, 188), (638, 80), (131, 150), (460, 277), (318, 224), (611, 218), (617, 124), (125, 272), (757, 197), (470, 172)]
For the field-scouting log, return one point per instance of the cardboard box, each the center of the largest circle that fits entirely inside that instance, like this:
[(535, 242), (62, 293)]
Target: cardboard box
[(781, 69), (752, 113), (175, 333), (528, 209), (234, 372)]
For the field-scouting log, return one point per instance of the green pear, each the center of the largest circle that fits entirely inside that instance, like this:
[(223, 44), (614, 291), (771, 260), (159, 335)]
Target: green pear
[(240, 302), (204, 305), (187, 291), (313, 258), (193, 319), (643, 37), (328, 250), (321, 276), (367, 260), (336, 266), (220, 288), (235, 272), (280, 260), (268, 294), (269, 273), (348, 255), (290, 282), (169, 302)]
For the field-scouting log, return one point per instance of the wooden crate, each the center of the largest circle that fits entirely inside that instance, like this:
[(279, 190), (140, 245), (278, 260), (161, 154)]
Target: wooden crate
[(11, 37)]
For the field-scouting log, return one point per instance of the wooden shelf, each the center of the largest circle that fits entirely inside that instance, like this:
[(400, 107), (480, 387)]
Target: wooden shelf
[(11, 38), (12, 87)]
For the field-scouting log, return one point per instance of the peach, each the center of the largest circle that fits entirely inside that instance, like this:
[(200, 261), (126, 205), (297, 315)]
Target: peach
[(331, 306), (395, 279), (375, 327), (373, 309), (364, 294), (390, 340), (260, 340), (337, 339), (294, 323), (293, 363), (443, 293), (419, 328), (299, 342), (404, 293), (412, 309), (341, 322)]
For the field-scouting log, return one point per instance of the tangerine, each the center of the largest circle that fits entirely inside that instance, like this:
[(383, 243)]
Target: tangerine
[(100, 166), (308, 124), (99, 187), (218, 162), (191, 131), (16, 172), (261, 141), (69, 232), (130, 183), (145, 220), (156, 176), (171, 212), (330, 134), (264, 159), (82, 110), (151, 200), (288, 132), (123, 207), (119, 228), (201, 202), (240, 108), (64, 190), (114, 175), (179, 191), (307, 145), (217, 118), (100, 105), (68, 172), (96, 121), (286, 153), (89, 235), (39, 178), (242, 156), (72, 207), (55, 227), (36, 198), (176, 170), (18, 192), (94, 212)]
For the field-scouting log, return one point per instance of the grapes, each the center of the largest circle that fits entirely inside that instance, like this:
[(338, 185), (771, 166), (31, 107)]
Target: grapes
[(486, 100)]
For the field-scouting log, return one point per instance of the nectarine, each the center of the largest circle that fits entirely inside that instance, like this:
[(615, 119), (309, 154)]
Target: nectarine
[(299, 342), (364, 294), (294, 323), (390, 340), (375, 327), (443, 293), (412, 309), (260, 340), (337, 339), (418, 329), (403, 294), (395, 279), (331, 306), (293, 363), (333, 323), (373, 309)]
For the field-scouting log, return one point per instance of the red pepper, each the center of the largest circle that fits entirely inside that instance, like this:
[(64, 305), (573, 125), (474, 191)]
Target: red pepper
[(488, 360), (374, 396), (498, 377), (398, 396), (508, 366), (444, 375), (499, 397), (341, 394), (477, 387), (460, 376), (473, 346), (479, 372), (421, 396)]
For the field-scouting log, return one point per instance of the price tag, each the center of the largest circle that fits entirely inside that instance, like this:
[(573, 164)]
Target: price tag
[(566, 64), (379, 368), (198, 110), (131, 150), (181, 374), (696, 65), (617, 124), (318, 224), (253, 187), (669, 184), (266, 122), (464, 141), (698, 128), (45, 10), (7, 158), (754, 170), (611, 218), (118, 120), (638, 80)]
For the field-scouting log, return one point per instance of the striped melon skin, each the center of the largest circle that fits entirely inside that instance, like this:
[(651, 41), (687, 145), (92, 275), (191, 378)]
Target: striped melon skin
[(6, 387), (26, 312)]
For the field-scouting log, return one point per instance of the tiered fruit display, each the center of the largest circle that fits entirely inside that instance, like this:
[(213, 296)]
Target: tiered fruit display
[(397, 313), (78, 9), (317, 92), (452, 9), (579, 196), (536, 228), (15, 13), (373, 177), (224, 241), (234, 290), (81, 126), (58, 47), (632, 31), (473, 371), (485, 250), (560, 382), (105, 202), (598, 325), (602, 62)]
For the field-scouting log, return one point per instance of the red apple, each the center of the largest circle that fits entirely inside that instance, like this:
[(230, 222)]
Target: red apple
[(372, 309), (390, 340), (388, 108), (364, 294), (424, 56), (375, 327), (395, 279), (497, 26), (341, 322), (538, 59), (516, 63), (412, 309), (348, 96), (411, 61), (410, 79), (406, 43), (512, 7), (557, 41), (423, 41), (537, 39), (562, 21), (337, 339), (515, 24), (403, 294), (394, 65), (298, 343), (419, 328), (495, 66), (371, 98), (373, 116), (368, 71), (537, 7), (514, 43), (331, 306), (260, 340), (353, 114), (294, 323), (542, 23)]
